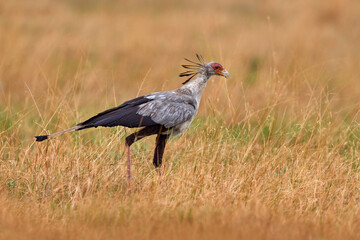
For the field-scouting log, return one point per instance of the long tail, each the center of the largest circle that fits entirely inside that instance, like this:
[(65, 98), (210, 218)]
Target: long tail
[(44, 137)]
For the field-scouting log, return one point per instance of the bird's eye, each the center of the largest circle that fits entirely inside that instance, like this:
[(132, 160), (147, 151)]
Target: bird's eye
[(216, 66)]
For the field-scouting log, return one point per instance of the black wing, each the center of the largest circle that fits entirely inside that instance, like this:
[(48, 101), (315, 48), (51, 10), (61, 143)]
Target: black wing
[(123, 115)]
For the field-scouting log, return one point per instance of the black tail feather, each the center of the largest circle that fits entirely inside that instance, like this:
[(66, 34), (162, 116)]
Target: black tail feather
[(41, 138)]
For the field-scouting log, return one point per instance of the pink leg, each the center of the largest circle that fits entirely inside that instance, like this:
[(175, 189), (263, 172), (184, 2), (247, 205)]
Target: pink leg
[(128, 164), (158, 171), (159, 174)]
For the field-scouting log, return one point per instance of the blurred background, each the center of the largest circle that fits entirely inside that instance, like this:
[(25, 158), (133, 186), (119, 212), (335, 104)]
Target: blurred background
[(274, 149), (89, 55)]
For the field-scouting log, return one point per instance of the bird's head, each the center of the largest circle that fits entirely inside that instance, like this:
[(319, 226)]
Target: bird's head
[(201, 67), (214, 68)]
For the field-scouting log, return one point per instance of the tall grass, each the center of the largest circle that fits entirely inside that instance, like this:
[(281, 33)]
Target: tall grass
[(273, 152)]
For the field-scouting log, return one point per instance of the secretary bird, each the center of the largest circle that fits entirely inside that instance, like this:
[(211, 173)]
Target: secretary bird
[(162, 113)]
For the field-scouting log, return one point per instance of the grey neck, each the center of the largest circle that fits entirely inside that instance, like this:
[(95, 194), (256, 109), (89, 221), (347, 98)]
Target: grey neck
[(196, 86)]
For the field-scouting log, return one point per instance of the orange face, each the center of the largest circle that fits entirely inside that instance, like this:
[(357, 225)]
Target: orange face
[(219, 70)]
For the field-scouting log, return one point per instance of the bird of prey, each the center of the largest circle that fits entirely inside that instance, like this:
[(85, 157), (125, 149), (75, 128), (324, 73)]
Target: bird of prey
[(165, 114)]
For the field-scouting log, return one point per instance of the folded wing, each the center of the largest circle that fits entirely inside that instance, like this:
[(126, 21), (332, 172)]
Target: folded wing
[(163, 108), (123, 115), (169, 109)]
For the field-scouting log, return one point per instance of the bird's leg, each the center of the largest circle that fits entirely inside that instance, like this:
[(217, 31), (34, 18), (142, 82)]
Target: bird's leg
[(158, 171), (136, 136), (128, 163), (159, 151)]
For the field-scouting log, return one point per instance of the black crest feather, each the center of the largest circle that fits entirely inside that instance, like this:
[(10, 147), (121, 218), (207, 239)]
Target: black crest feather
[(194, 66)]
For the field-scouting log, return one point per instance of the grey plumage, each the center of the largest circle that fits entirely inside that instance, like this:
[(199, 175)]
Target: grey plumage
[(168, 108), (160, 113)]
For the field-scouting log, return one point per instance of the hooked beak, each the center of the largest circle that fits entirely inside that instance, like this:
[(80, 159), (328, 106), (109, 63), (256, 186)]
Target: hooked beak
[(224, 74)]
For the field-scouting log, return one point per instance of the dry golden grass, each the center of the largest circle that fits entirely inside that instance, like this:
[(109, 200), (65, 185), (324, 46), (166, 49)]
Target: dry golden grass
[(272, 154)]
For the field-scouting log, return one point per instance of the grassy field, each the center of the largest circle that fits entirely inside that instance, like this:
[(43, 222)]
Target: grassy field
[(273, 153)]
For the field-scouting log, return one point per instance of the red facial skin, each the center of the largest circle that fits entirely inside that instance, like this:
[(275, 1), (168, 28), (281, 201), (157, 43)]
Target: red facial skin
[(218, 69)]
